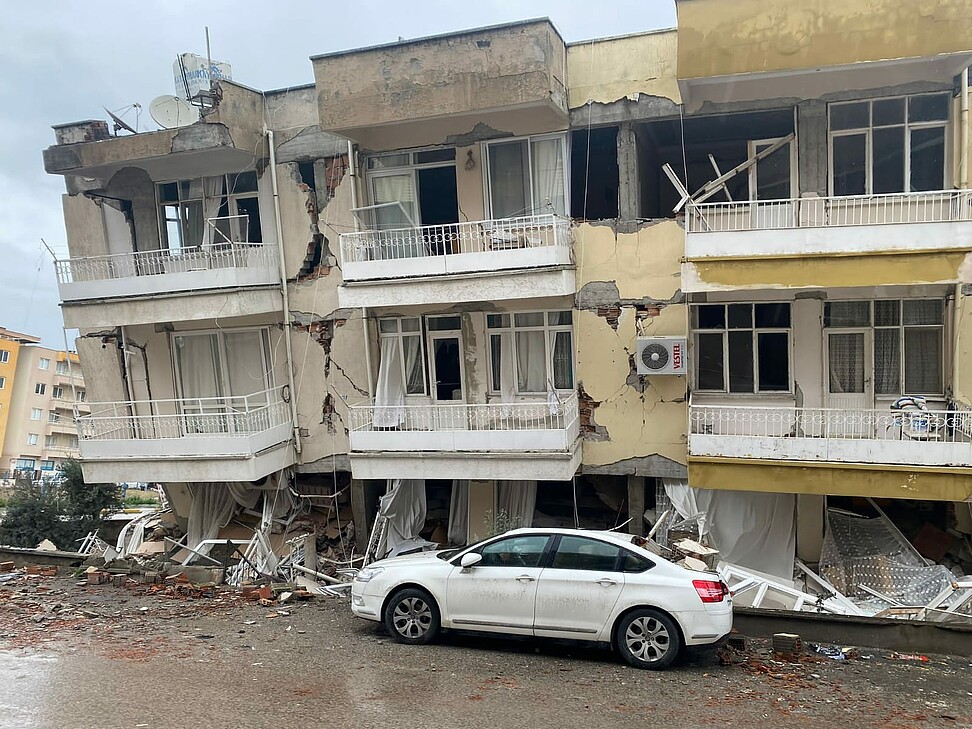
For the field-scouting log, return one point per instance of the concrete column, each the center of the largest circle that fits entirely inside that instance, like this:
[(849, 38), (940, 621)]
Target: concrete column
[(482, 499), (359, 513), (310, 549), (811, 515), (636, 505), (629, 186), (812, 146)]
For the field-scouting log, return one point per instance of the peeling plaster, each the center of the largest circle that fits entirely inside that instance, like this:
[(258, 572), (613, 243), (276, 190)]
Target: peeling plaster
[(479, 133)]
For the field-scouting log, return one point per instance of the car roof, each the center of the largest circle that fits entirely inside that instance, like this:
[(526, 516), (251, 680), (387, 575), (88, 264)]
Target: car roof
[(611, 536)]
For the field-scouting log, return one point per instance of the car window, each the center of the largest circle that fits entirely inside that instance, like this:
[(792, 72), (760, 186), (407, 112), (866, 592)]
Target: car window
[(631, 562), (524, 551), (581, 553)]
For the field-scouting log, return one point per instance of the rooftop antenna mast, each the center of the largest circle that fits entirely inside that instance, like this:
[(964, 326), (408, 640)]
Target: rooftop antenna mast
[(209, 60)]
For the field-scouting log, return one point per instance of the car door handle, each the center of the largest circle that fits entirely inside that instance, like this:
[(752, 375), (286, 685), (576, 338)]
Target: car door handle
[(606, 582), (526, 578)]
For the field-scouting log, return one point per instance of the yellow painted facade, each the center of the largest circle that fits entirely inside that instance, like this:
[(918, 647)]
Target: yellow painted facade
[(721, 38), (8, 370)]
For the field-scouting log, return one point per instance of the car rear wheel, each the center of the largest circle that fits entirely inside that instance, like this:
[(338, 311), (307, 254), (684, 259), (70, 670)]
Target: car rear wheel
[(412, 616), (647, 638)]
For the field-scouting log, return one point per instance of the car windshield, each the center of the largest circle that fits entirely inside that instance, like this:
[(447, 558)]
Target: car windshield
[(447, 554)]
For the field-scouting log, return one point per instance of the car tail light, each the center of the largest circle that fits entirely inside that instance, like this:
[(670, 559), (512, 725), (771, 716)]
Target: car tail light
[(710, 590)]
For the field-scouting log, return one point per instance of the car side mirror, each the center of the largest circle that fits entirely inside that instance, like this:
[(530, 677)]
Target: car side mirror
[(470, 559)]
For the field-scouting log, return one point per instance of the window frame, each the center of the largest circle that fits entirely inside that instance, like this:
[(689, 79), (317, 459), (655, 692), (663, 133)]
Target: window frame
[(868, 133), (33, 439), (3, 382), (755, 332), (411, 168), (50, 441), (21, 464), (266, 350), (550, 337), (36, 411), (62, 368), (4, 356), (227, 198), (529, 139), (40, 388), (43, 363), (401, 335), (57, 392)]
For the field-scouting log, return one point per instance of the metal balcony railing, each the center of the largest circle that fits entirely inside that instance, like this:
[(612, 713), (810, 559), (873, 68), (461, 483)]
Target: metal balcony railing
[(484, 236), (940, 206)]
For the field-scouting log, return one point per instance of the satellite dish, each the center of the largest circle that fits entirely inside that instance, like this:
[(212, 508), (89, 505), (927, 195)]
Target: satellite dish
[(170, 112), (119, 123)]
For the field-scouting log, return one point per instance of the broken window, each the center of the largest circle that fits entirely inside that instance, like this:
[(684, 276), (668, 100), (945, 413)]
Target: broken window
[(421, 182), (209, 211), (594, 177), (888, 145), (526, 176), (530, 352), (742, 348)]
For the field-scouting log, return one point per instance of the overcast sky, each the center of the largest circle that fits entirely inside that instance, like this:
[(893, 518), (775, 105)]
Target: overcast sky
[(64, 61)]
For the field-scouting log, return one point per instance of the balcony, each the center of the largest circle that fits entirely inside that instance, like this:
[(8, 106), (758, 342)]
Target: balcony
[(921, 438), (534, 440), (486, 260), (236, 438)]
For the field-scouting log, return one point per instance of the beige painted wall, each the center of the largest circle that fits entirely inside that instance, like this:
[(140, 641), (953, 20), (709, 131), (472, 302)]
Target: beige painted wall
[(603, 71), (720, 37)]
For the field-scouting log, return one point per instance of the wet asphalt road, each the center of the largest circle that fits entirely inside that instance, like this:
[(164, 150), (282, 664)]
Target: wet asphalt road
[(132, 660)]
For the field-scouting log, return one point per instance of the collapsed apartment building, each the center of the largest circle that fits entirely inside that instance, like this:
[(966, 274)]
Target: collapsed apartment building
[(718, 274)]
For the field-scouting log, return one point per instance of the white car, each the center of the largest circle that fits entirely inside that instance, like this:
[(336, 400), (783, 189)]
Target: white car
[(556, 583)]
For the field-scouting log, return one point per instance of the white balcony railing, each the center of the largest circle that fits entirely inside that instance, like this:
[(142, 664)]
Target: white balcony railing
[(917, 437), (207, 417), (943, 206), (481, 245), (518, 426)]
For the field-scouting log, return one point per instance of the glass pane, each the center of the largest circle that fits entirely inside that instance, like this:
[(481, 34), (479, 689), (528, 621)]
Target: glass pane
[(772, 316), (845, 353), (524, 551), (711, 316), (173, 228), (246, 367), (532, 319), (435, 155), (923, 361), (549, 190), (391, 189), (740, 316), (580, 553), (388, 326), (631, 562), (384, 161), (563, 361), (740, 362), (887, 361), (888, 111), (169, 192), (888, 160), (923, 311), (194, 224), (250, 228), (559, 318), (198, 363), (709, 362), (414, 366), (411, 325), (928, 108), (243, 182), (531, 361), (849, 116), (928, 159), (773, 174), (495, 358), (443, 323), (774, 361), (847, 314), (850, 164), (509, 179), (887, 313), (497, 320)]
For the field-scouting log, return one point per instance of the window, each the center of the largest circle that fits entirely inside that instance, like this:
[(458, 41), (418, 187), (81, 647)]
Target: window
[(53, 417), (525, 551), (62, 368), (742, 348), (25, 464), (581, 553), (421, 182), (81, 395), (230, 201), (50, 441), (530, 352), (72, 442), (888, 145), (57, 392), (3, 382), (35, 413), (631, 562), (222, 364), (47, 465), (40, 388), (32, 439), (43, 363), (526, 176), (908, 341), (4, 356), (401, 340)]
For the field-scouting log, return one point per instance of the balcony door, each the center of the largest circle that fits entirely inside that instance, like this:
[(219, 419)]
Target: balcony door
[(850, 383), (772, 178), (445, 358)]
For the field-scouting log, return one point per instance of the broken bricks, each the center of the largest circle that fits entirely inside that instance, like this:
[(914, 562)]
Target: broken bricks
[(787, 645)]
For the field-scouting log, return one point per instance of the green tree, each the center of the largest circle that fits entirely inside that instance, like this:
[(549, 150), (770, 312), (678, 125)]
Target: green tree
[(86, 504)]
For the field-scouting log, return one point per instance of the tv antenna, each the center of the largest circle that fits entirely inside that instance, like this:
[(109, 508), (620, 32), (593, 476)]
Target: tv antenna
[(120, 124)]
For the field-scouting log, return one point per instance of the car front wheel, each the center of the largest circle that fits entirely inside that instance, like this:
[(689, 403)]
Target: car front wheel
[(412, 616), (647, 638)]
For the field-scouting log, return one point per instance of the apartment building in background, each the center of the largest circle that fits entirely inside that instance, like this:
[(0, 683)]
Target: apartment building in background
[(707, 267), (37, 403)]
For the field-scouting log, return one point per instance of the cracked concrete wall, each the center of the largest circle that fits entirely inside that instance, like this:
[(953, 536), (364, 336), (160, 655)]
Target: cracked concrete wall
[(629, 286)]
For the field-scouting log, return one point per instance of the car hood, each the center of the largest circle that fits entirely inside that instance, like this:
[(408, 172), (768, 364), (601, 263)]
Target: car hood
[(405, 560)]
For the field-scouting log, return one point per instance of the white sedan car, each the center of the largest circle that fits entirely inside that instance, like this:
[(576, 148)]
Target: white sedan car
[(556, 583)]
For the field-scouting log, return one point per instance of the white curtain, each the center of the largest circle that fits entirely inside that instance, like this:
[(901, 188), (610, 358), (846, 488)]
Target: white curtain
[(198, 361), (563, 361), (846, 356), (531, 364), (414, 373), (506, 382), (548, 177), (390, 389), (212, 507), (887, 362), (459, 512), (750, 529), (400, 189), (509, 179), (404, 506), (245, 364), (518, 499)]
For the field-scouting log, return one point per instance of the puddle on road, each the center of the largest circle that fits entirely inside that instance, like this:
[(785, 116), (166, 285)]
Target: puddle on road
[(25, 678)]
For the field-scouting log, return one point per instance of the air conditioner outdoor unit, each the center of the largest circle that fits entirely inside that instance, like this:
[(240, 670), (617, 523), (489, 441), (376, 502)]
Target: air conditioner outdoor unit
[(661, 355)]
